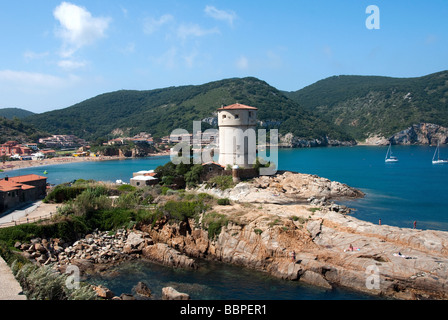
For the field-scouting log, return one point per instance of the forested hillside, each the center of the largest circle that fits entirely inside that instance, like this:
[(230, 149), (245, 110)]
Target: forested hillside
[(11, 113), (341, 107), (18, 131), (162, 110), (364, 105)]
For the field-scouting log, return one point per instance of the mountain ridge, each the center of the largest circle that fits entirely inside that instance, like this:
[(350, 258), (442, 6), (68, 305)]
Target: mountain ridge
[(375, 105), (10, 113), (160, 111), (338, 108)]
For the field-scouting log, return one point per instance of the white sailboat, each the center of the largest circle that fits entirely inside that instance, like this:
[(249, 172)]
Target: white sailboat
[(389, 156), (438, 160)]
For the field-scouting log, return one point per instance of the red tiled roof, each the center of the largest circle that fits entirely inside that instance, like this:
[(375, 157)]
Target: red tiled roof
[(213, 162), (237, 106), (27, 178), (6, 185)]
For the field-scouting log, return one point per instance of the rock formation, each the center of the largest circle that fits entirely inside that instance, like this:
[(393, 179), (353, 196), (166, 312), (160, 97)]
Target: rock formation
[(169, 293), (284, 188), (290, 141), (423, 133), (269, 219)]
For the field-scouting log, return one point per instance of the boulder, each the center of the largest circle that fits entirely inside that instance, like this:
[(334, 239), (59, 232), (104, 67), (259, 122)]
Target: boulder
[(135, 239), (142, 289), (103, 292), (127, 296), (315, 279), (169, 293), (162, 253)]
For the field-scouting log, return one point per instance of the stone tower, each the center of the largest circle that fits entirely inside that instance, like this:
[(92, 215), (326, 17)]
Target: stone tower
[(237, 137)]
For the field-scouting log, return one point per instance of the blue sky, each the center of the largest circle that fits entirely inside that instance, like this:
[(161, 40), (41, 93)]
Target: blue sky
[(54, 54)]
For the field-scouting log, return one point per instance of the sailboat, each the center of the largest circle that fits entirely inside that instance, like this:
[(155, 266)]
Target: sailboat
[(389, 156), (437, 152)]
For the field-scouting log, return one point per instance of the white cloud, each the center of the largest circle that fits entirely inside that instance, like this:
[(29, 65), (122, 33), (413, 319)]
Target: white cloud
[(78, 28), (33, 80), (168, 59), (30, 55), (194, 30), (227, 16), (242, 63), (71, 64), (151, 25), (129, 48), (190, 59)]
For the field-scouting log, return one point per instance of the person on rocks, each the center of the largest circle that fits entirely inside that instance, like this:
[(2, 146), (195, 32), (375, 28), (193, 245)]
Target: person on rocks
[(293, 256)]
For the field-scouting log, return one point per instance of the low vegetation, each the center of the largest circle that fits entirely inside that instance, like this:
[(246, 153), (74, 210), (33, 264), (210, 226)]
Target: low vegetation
[(42, 283), (220, 182)]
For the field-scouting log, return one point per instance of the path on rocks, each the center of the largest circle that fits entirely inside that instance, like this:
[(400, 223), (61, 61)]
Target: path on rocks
[(10, 289)]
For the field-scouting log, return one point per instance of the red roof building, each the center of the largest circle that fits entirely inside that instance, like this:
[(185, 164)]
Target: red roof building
[(237, 106), (18, 190)]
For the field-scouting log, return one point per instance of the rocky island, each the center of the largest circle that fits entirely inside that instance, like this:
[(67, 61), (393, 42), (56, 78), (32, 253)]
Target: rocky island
[(287, 225)]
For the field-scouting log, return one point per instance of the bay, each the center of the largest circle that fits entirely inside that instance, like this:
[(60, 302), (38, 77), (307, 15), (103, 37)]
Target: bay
[(412, 189)]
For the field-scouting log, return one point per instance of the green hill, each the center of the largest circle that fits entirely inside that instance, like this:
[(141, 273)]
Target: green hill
[(162, 110), (11, 113), (364, 105), (18, 131)]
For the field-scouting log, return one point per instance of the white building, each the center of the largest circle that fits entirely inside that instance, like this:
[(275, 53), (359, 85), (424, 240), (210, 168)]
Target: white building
[(237, 136)]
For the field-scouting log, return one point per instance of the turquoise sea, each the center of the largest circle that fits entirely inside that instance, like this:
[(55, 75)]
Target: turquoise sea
[(412, 189)]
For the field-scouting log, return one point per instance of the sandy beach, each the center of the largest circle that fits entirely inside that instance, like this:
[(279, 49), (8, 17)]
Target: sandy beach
[(23, 164)]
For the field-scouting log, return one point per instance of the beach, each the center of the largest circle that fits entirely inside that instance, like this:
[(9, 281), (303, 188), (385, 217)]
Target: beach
[(23, 164)]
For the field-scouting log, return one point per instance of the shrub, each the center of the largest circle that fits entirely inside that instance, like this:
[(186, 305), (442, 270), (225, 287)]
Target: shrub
[(301, 220), (214, 222), (221, 182), (193, 176), (126, 188), (224, 202), (165, 190), (258, 231), (41, 283), (182, 210), (63, 193)]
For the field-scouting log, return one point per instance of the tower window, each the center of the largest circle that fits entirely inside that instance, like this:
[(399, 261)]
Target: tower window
[(237, 116), (250, 114), (224, 116)]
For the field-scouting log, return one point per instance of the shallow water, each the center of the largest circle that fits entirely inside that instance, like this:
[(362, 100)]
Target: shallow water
[(214, 281)]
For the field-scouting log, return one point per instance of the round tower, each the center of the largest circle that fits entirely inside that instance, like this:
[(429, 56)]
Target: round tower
[(237, 137)]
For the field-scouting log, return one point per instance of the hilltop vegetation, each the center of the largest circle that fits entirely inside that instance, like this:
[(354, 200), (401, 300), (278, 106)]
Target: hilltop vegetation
[(11, 113), (18, 131), (363, 105), (162, 110), (341, 108)]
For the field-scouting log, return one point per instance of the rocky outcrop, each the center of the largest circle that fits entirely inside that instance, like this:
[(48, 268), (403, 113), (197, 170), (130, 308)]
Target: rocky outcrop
[(285, 188), (385, 261), (423, 133), (169, 293), (166, 255), (101, 249), (290, 141), (142, 289)]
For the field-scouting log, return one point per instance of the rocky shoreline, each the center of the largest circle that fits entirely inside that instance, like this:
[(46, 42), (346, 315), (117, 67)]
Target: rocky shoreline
[(270, 218), (416, 134)]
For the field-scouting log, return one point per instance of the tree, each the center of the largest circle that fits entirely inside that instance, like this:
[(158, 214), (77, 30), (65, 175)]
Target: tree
[(193, 176)]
